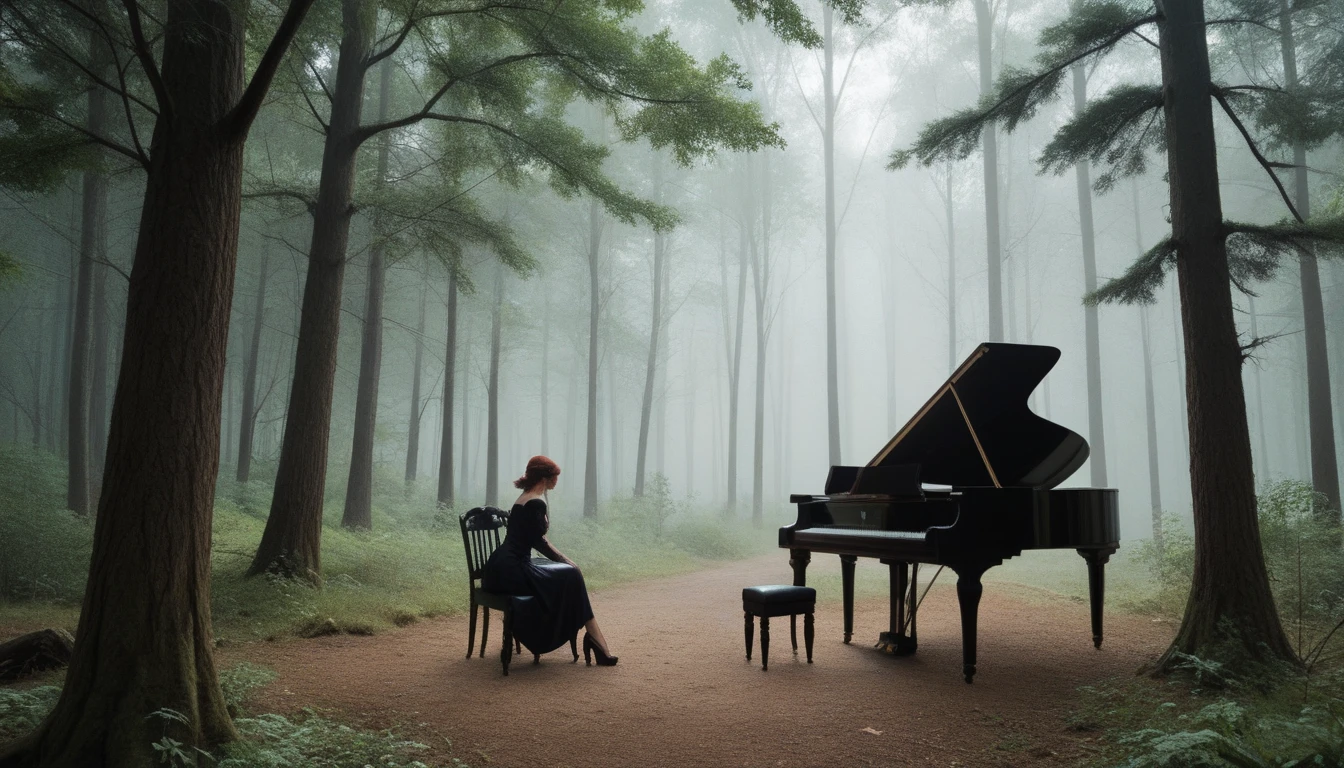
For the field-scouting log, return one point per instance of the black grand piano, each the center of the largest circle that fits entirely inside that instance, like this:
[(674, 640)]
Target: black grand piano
[(968, 483)]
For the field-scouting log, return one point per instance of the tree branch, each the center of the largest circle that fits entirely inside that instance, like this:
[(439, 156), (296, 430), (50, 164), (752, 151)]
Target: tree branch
[(90, 135), (239, 119), (1259, 158), (142, 52)]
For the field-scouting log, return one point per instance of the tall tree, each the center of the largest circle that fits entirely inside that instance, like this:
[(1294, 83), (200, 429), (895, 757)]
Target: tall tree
[(144, 641), (1096, 425), (596, 224), (492, 390), (251, 408), (413, 429), (655, 333), (1230, 587), (984, 29), (445, 495)]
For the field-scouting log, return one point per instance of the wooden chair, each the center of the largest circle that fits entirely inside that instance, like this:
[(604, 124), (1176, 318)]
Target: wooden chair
[(481, 536)]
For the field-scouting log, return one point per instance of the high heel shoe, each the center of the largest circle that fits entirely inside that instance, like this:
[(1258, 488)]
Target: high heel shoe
[(591, 647)]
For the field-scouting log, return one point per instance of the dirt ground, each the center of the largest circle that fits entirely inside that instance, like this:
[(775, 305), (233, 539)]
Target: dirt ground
[(683, 693)]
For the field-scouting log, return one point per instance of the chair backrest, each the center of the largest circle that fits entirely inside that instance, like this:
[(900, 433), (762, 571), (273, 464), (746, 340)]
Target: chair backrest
[(481, 528)]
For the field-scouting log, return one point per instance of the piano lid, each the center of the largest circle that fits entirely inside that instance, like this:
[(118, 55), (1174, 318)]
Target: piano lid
[(977, 430)]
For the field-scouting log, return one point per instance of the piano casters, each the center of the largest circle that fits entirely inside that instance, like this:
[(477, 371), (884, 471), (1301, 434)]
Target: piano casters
[(847, 589), (1096, 585), (900, 639), (969, 590)]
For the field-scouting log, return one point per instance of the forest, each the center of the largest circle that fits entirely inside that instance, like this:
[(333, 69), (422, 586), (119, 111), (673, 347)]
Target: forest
[(289, 287)]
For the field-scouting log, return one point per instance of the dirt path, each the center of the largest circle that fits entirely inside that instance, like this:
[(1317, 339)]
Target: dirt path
[(684, 695)]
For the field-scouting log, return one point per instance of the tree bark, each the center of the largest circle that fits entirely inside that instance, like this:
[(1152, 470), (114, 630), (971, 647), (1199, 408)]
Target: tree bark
[(413, 430), (655, 332), (1324, 470), (1096, 427), (144, 641), (492, 395), (828, 166), (1230, 586), (92, 248), (292, 542), (449, 371), (359, 486), (247, 427), (984, 23), (594, 305)]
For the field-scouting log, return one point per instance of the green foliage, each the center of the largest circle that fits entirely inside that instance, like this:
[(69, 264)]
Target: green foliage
[(1089, 32), (786, 20), (1230, 733), (1110, 133), (240, 680), (22, 710), (1139, 283), (313, 741), (44, 549)]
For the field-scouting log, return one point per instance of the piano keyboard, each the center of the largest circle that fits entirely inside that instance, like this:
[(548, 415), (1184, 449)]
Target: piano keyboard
[(866, 533)]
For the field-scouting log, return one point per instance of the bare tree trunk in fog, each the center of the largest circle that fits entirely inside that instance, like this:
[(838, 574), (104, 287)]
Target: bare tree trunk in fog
[(655, 334), (247, 427), (1301, 417), (1178, 345), (951, 276), (413, 430), (359, 486), (1083, 173), (98, 384), (492, 394), (92, 249), (545, 372), (613, 417), (57, 387), (1264, 464), (1324, 469), (445, 495), (760, 282), (984, 22), (571, 411), (828, 163), (463, 482), (36, 417), (889, 286), (658, 433), (595, 225), (690, 413), (732, 337), (229, 375), (1150, 410)]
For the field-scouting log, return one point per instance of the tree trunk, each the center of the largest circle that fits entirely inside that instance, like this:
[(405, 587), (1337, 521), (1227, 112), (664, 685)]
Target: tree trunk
[(594, 305), (984, 23), (690, 414), (247, 427), (144, 641), (655, 332), (466, 422), (1265, 470), (951, 277), (760, 278), (828, 167), (492, 395), (545, 373), (292, 542), (449, 371), (1096, 437), (1324, 470), (1150, 405), (413, 430), (1229, 583), (359, 486), (92, 248), (98, 383)]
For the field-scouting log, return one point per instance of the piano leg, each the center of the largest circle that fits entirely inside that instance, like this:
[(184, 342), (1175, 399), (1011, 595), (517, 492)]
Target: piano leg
[(895, 640), (969, 590), (847, 589), (798, 560), (1096, 586)]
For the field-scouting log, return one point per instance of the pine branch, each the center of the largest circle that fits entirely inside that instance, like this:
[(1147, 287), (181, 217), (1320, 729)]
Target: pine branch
[(1111, 131), (1139, 283), (240, 118), (1259, 158)]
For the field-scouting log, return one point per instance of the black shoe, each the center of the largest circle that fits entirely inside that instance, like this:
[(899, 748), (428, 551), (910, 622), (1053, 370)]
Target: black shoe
[(590, 647)]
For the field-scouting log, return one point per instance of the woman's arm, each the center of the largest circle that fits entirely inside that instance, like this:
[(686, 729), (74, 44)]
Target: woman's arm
[(548, 550)]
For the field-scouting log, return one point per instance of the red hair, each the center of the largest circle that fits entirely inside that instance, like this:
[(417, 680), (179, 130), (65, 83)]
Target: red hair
[(539, 468)]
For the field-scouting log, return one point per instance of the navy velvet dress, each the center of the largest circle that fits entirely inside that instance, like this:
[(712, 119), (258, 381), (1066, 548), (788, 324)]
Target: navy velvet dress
[(560, 606)]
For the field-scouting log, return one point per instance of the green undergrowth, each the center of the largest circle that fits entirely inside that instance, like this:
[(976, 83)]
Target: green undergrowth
[(410, 566), (310, 738)]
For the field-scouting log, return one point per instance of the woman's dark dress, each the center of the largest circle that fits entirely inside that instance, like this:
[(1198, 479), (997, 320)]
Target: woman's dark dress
[(560, 605)]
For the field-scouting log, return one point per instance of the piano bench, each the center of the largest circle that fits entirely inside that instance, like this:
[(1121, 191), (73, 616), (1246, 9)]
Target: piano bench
[(778, 600)]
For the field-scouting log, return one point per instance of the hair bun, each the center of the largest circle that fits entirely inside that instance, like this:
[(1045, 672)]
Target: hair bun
[(539, 468)]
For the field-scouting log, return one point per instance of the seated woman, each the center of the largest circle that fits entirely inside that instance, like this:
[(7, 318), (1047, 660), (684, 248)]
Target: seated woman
[(561, 605)]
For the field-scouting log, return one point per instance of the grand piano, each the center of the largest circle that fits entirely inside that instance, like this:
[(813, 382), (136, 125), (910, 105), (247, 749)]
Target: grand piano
[(968, 483)]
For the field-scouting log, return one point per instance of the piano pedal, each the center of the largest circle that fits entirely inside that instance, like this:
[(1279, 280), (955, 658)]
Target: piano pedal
[(896, 645)]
